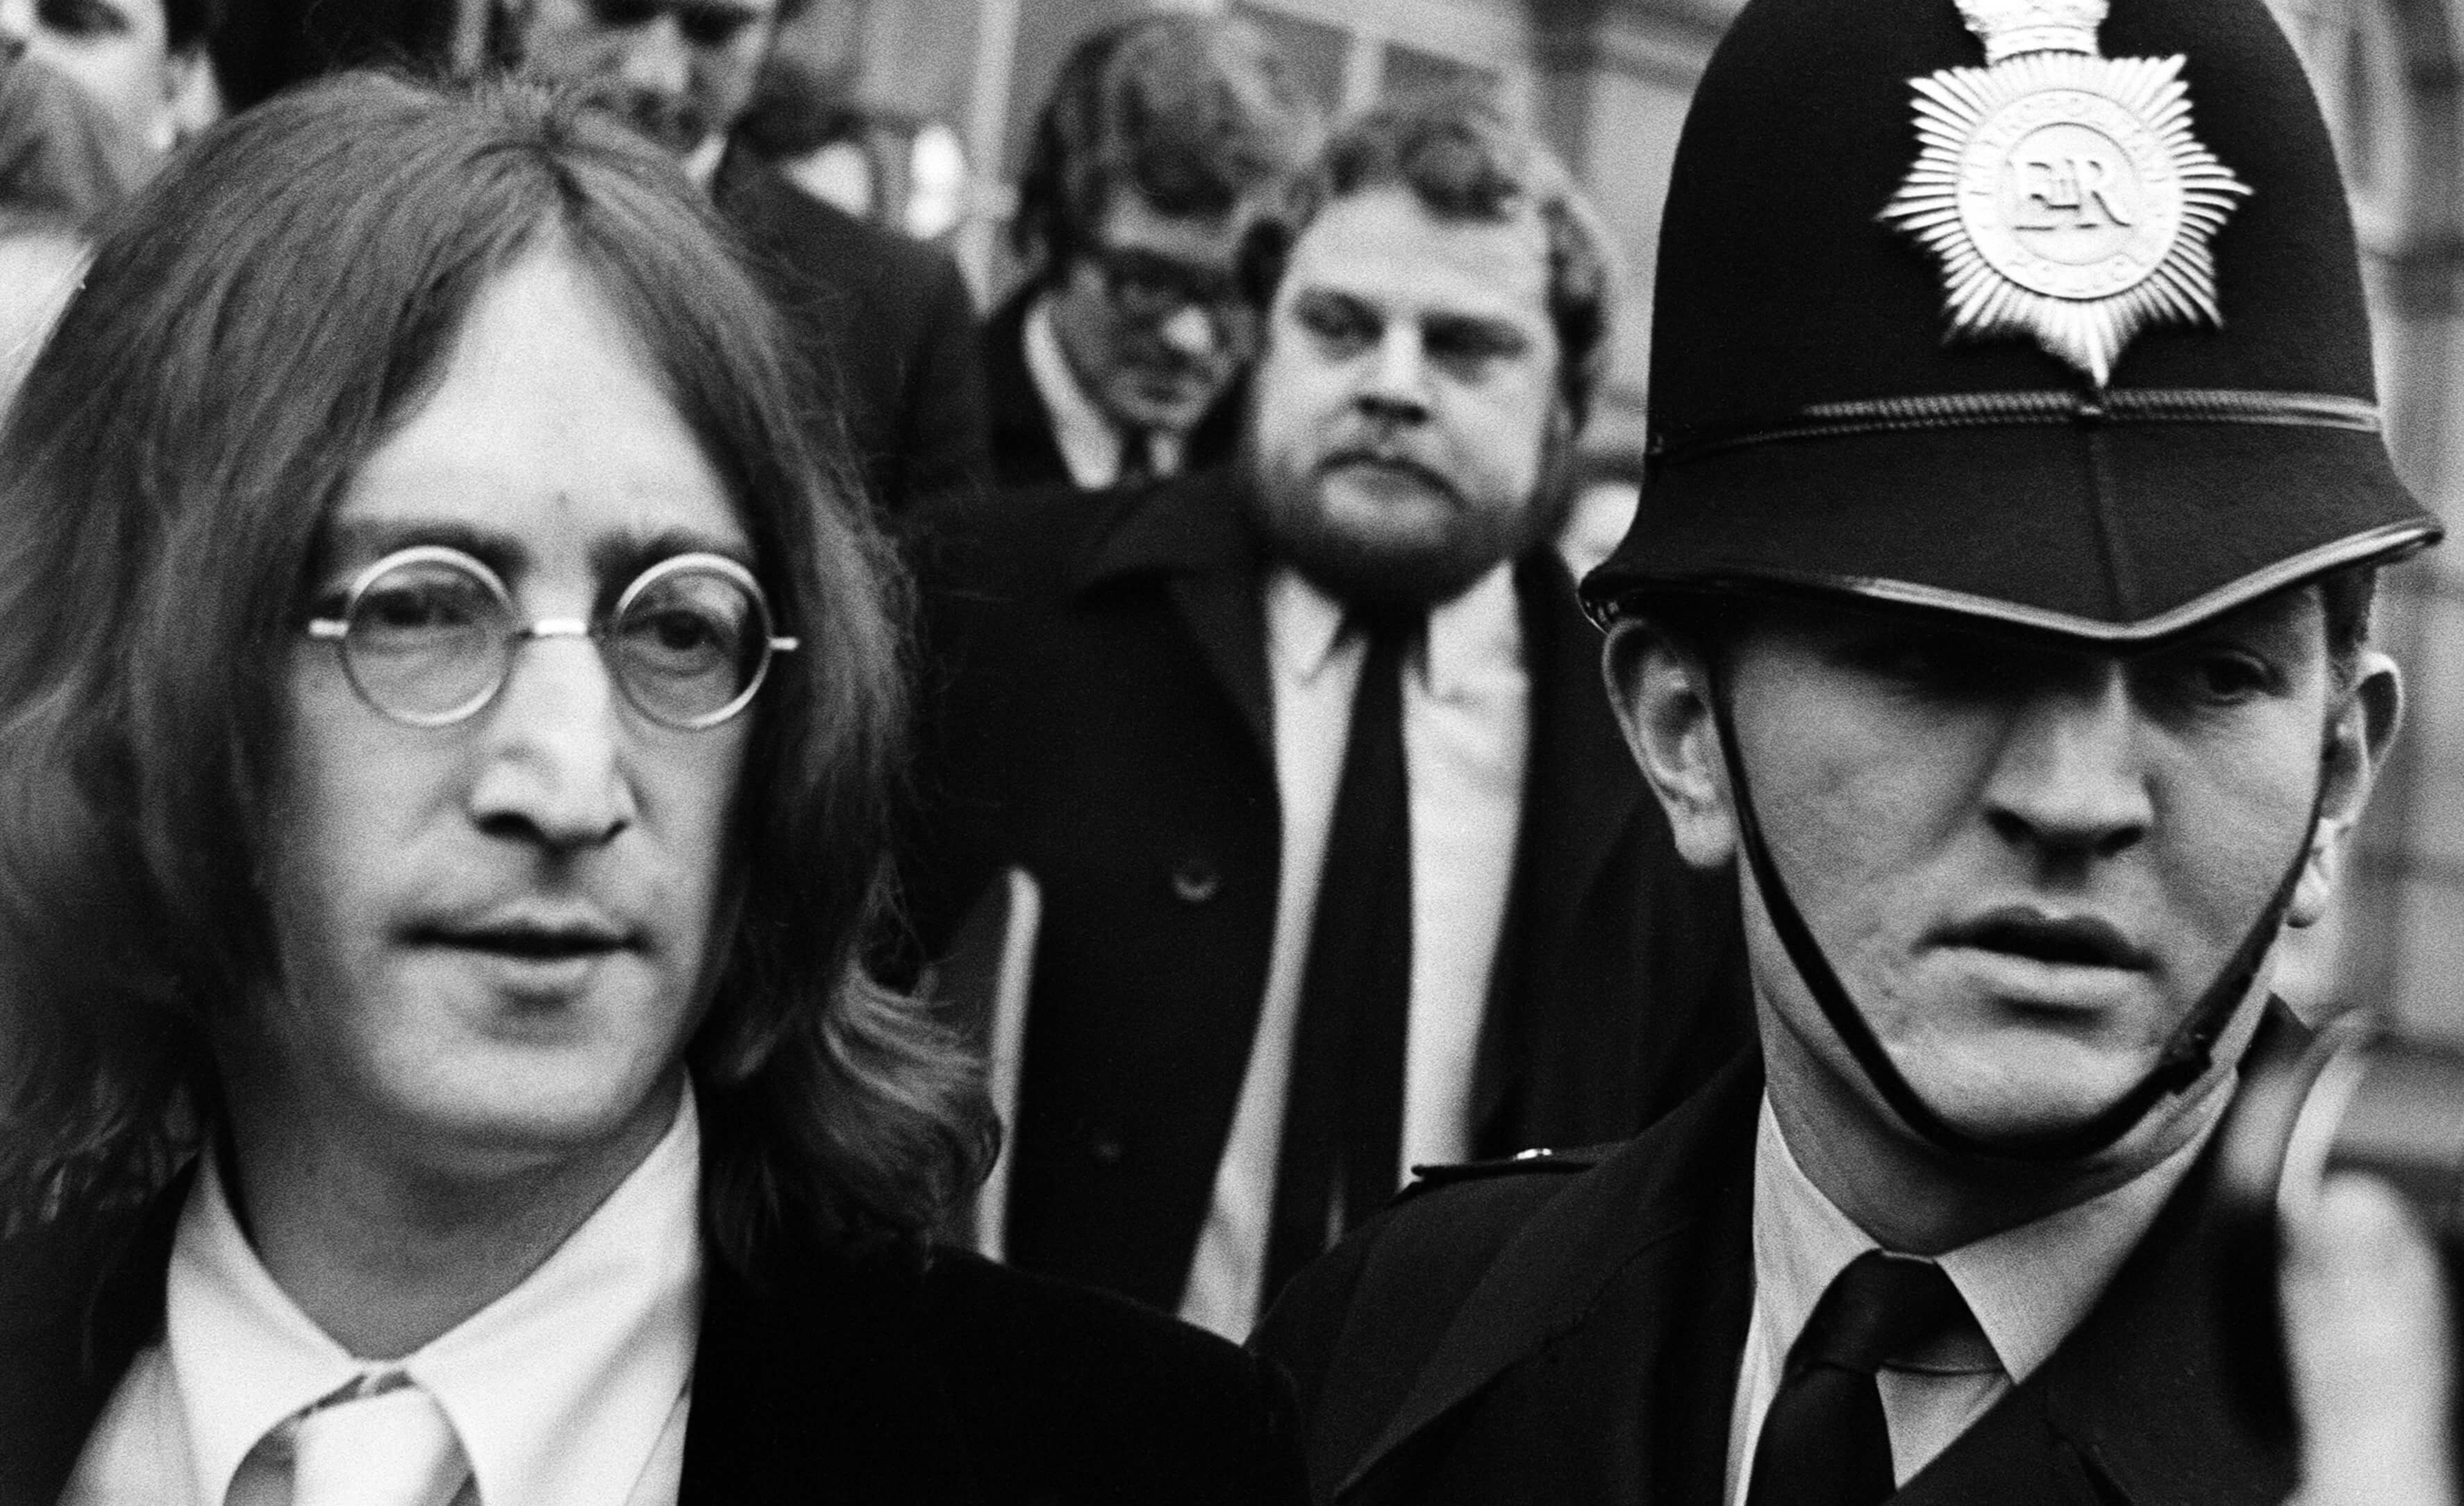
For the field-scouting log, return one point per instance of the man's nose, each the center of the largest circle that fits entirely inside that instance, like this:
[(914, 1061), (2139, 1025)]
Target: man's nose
[(2070, 776), (657, 60), (1396, 384), (554, 766)]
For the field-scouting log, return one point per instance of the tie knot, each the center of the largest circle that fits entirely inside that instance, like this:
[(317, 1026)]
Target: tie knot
[(1388, 628), (1881, 1306)]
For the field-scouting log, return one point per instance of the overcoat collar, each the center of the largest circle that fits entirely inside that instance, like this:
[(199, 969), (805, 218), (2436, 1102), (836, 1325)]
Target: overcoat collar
[(1194, 533), (832, 1363), (2132, 1410)]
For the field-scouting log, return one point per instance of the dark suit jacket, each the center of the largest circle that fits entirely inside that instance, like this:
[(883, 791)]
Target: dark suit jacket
[(1102, 721), (882, 321), (1025, 454), (1547, 1337), (818, 1379)]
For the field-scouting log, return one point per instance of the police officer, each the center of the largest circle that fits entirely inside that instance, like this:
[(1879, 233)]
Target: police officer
[(1998, 605)]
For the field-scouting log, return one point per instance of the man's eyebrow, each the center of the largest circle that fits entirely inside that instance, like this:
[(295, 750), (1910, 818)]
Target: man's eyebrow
[(617, 560), (357, 542)]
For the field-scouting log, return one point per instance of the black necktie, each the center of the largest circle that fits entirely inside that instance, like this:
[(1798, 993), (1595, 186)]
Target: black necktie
[(1825, 1441), (1343, 1104), (1138, 459)]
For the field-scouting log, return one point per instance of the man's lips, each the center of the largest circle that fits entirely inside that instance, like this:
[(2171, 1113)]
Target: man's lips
[(536, 937), (1385, 460), (2020, 930)]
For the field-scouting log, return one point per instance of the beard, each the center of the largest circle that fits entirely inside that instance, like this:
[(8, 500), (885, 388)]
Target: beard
[(1366, 567)]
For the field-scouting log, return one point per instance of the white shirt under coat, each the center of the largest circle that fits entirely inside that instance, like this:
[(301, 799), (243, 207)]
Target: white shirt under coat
[(571, 1390), (1466, 730), (2026, 1289), (1090, 442)]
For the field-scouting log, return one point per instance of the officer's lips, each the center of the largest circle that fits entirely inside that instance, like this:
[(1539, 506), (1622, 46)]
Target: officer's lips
[(2029, 934)]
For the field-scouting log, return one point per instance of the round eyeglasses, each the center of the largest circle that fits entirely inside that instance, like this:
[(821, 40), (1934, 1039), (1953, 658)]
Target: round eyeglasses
[(428, 635)]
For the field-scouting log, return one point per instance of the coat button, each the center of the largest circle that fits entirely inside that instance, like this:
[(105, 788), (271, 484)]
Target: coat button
[(1196, 882), (1106, 1152)]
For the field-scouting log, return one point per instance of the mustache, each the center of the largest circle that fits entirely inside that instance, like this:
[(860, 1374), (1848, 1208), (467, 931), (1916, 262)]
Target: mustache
[(1388, 457)]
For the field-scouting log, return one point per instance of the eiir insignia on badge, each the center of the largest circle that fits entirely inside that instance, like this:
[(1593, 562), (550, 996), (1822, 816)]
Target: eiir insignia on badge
[(2062, 189)]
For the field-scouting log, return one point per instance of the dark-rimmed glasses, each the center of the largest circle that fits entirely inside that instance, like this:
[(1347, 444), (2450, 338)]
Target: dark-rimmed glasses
[(1151, 289), (428, 634)]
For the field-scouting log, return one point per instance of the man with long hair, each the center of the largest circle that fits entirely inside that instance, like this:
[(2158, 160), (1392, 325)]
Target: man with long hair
[(446, 710)]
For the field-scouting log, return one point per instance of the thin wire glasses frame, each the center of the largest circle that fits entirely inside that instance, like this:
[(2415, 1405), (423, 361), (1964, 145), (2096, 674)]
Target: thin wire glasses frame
[(446, 648)]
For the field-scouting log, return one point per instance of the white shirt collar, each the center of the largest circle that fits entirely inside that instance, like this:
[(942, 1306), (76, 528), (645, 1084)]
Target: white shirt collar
[(701, 163), (1088, 440), (559, 1390), (1477, 633), (2027, 1287)]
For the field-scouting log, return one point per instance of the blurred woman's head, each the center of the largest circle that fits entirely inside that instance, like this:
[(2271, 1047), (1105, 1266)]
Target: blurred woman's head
[(284, 304)]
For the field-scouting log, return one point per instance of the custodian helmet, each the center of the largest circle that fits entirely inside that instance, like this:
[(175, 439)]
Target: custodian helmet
[(2015, 308), (2042, 313)]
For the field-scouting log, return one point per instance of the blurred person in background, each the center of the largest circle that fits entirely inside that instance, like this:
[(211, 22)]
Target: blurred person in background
[(93, 93), (1117, 360), (883, 321), (1343, 869), (447, 714)]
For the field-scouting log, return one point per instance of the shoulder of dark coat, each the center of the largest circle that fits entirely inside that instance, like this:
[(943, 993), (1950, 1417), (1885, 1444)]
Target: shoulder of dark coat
[(1539, 1161), (1034, 1361)]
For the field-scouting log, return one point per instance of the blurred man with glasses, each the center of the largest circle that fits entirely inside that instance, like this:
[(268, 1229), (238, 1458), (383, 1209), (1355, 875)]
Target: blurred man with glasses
[(1112, 364), (884, 321)]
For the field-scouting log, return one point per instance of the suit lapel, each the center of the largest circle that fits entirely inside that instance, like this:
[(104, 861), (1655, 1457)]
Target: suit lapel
[(1580, 797), (1593, 1275), (824, 1381), (1194, 533)]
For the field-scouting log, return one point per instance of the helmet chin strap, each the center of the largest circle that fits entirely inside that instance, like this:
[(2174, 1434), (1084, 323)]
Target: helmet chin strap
[(2186, 1058)]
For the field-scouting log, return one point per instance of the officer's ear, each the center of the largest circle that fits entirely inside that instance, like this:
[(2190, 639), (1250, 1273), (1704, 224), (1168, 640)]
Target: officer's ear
[(1662, 693), (2360, 726)]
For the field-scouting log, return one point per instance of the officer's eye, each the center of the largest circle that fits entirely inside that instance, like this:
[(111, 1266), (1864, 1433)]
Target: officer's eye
[(1931, 663), (2217, 675), (1337, 324)]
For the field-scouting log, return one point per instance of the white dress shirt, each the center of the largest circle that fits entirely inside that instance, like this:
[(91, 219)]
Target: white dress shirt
[(571, 1390), (1088, 440), (2026, 1289), (1467, 726)]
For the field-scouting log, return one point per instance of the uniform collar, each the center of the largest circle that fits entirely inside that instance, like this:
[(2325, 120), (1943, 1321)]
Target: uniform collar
[(2027, 1287), (557, 1390)]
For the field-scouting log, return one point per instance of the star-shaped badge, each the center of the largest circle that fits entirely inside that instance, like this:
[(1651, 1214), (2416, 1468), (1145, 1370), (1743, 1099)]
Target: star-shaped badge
[(2061, 190)]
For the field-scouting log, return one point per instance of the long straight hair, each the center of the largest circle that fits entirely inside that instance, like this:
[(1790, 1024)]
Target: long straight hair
[(256, 322)]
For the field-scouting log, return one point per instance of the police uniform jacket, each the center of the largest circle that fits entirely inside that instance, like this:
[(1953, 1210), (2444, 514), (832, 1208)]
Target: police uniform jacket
[(1102, 721), (883, 323), (1571, 1329), (819, 1378)]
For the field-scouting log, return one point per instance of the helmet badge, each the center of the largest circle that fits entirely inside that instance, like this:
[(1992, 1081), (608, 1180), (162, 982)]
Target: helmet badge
[(2061, 190)]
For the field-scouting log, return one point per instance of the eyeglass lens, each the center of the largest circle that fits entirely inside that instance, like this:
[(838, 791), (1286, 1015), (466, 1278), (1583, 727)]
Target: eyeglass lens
[(429, 642)]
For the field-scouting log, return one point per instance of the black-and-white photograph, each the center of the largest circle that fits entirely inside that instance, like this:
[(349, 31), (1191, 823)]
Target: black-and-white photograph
[(1231, 752)]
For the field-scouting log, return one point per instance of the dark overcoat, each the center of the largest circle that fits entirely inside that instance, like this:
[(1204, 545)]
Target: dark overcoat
[(818, 1379), (884, 324), (1025, 455), (1103, 720), (1573, 1332)]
